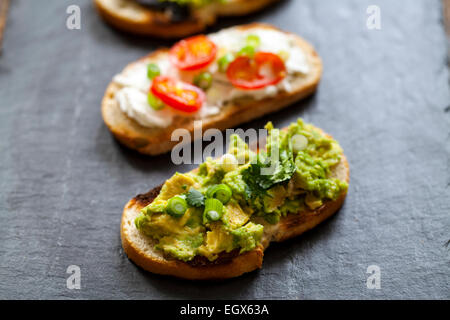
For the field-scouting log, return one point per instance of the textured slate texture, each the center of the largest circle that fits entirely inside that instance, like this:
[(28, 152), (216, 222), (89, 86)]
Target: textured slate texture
[(64, 180)]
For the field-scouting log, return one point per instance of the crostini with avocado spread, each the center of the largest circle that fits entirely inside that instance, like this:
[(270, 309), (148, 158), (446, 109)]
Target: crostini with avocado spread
[(215, 221)]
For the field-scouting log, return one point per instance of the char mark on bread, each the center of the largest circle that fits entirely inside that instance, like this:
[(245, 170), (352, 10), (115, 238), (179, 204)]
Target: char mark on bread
[(143, 200)]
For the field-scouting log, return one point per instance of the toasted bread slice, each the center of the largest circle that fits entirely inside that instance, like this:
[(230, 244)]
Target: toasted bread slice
[(154, 141), (129, 16), (140, 248)]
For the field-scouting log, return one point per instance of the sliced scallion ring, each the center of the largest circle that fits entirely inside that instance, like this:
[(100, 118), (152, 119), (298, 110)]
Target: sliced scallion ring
[(224, 61), (221, 192), (253, 40), (154, 102), (176, 206), (213, 209), (153, 71), (203, 80)]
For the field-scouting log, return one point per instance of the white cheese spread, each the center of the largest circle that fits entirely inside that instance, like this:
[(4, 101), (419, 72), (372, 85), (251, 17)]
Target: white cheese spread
[(134, 83)]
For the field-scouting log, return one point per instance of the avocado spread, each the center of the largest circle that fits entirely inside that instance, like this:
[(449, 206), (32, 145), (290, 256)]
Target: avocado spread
[(211, 210)]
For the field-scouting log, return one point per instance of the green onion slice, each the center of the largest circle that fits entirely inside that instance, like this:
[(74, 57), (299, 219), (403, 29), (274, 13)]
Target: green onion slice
[(176, 206), (299, 142), (213, 209), (247, 51), (224, 61), (153, 71), (253, 40), (203, 80), (221, 192), (154, 102)]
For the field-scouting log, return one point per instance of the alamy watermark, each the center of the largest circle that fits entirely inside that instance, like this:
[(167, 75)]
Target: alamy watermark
[(189, 149), (374, 280), (186, 152), (73, 21), (374, 17), (74, 280)]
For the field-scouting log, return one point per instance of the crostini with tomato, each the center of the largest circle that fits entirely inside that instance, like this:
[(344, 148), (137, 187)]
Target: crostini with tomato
[(172, 18), (223, 79)]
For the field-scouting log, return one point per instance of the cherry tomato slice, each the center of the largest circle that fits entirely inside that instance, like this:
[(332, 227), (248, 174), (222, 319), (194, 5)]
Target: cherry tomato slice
[(193, 53), (263, 69), (178, 94)]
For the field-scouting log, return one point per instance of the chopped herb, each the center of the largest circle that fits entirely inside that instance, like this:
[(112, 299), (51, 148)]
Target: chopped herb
[(195, 198)]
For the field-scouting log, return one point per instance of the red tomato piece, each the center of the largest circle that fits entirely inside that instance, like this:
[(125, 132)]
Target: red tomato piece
[(256, 72), (178, 94), (193, 53)]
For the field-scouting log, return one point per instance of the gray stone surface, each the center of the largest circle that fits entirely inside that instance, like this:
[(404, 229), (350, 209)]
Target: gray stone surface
[(64, 179)]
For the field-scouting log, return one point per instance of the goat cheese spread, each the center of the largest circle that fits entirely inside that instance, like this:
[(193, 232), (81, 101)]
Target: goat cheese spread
[(132, 96)]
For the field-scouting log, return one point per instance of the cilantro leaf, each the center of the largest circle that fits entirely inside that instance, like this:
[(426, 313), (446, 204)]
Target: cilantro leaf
[(258, 183), (195, 198)]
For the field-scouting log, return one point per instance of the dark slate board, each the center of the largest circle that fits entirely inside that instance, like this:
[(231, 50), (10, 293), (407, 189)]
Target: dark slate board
[(64, 179)]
